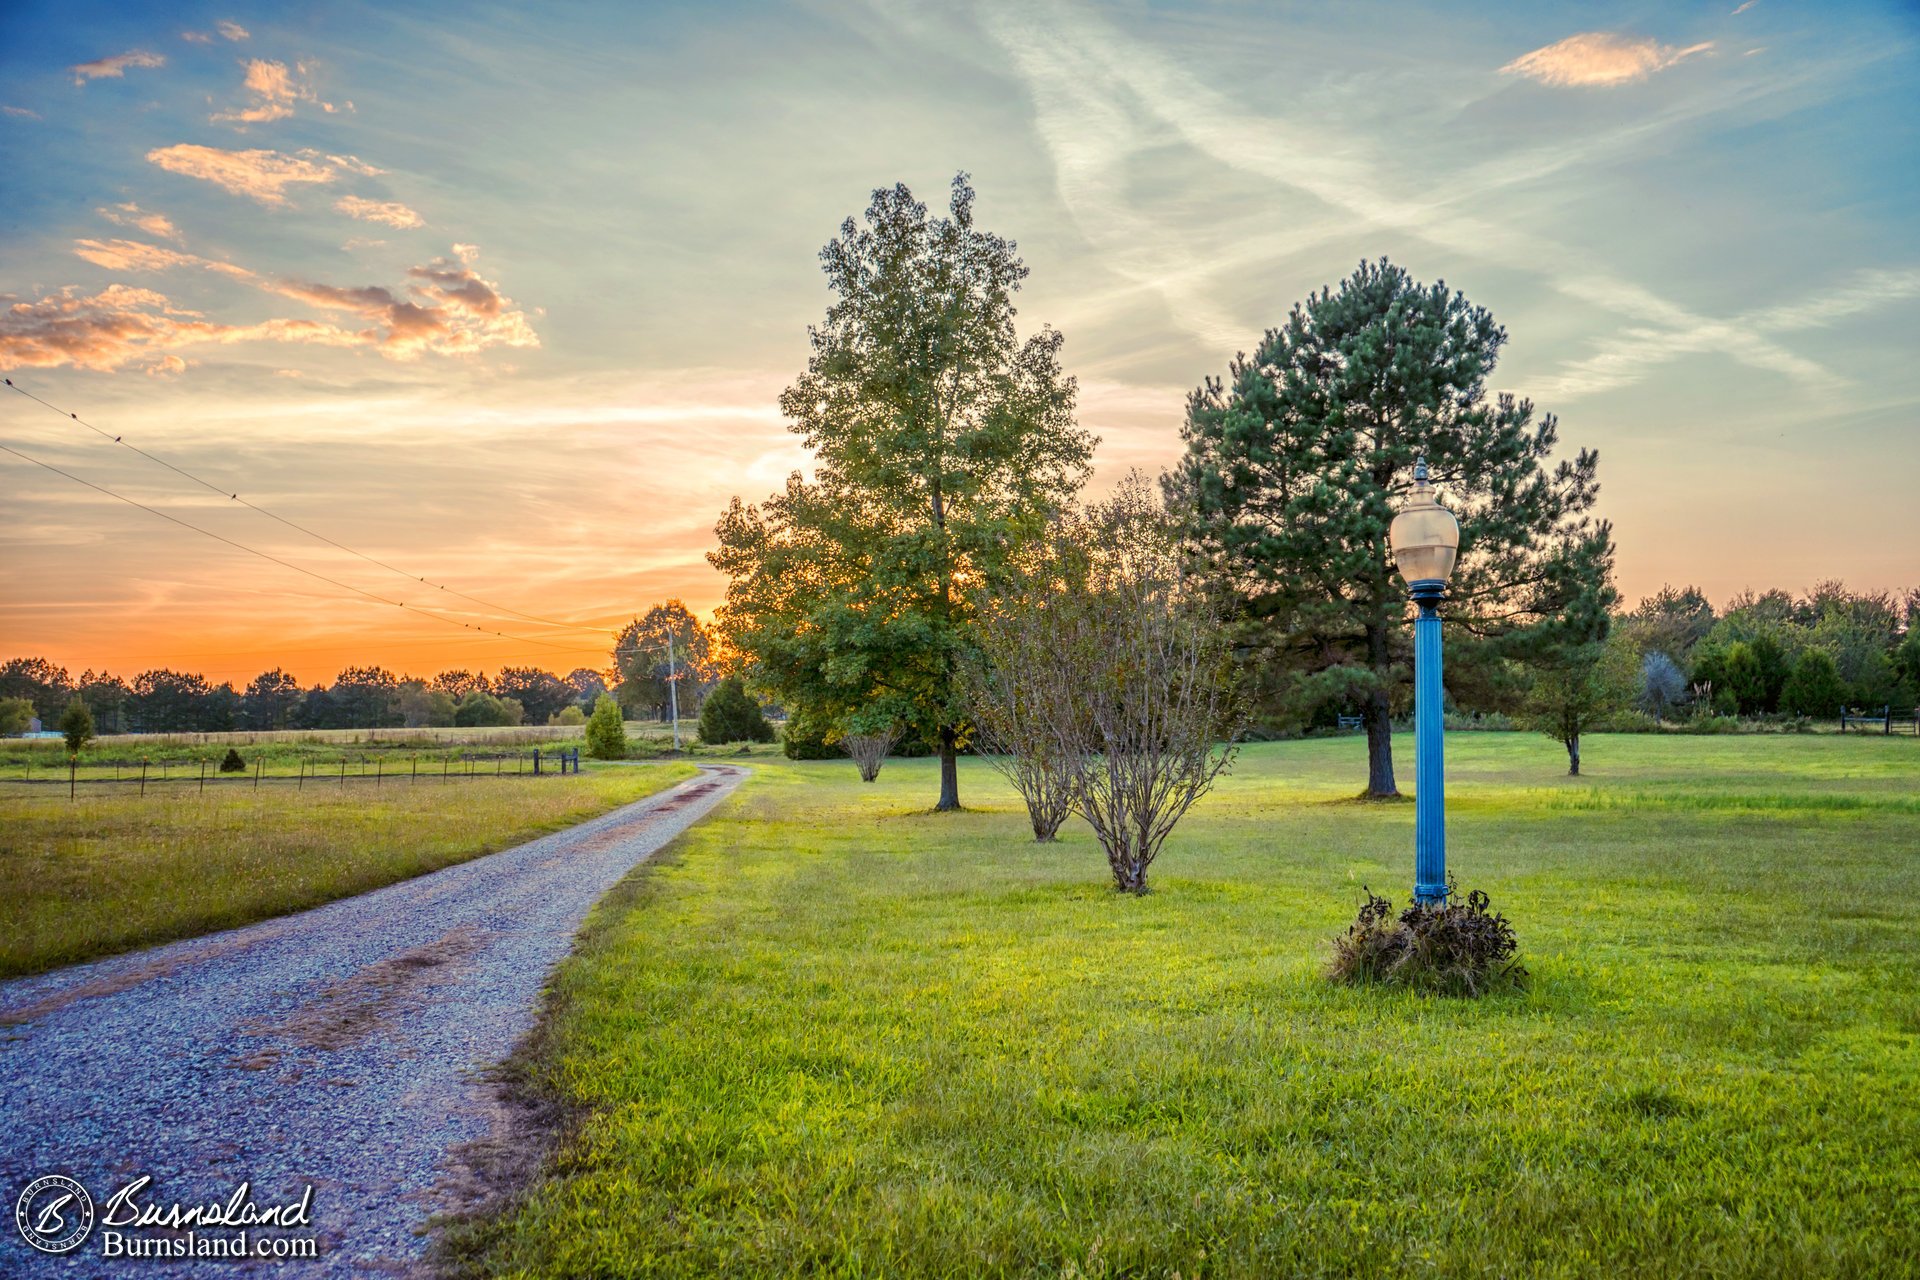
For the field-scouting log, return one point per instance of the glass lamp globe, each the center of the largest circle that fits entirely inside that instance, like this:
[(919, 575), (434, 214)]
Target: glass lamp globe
[(1424, 535)]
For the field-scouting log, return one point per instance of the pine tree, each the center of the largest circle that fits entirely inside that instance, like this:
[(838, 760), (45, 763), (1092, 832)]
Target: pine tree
[(1295, 463)]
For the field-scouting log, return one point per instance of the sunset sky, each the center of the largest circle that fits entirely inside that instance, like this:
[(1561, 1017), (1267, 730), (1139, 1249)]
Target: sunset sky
[(504, 297)]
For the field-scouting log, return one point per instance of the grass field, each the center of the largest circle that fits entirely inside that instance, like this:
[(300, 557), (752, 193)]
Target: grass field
[(174, 758), (111, 871), (832, 1033)]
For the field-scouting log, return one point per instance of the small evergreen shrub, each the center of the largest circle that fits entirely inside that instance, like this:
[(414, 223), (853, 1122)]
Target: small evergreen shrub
[(1456, 948), (233, 763), (606, 733), (731, 715)]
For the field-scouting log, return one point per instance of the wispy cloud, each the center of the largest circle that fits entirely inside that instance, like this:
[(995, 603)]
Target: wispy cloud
[(1596, 58), (21, 113), (115, 67), (1091, 85), (132, 215), (390, 212), (274, 90), (259, 175), (133, 255), (226, 30), (1746, 5), (1626, 357)]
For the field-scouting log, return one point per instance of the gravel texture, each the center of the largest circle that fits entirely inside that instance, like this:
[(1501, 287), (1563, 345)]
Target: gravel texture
[(344, 1047)]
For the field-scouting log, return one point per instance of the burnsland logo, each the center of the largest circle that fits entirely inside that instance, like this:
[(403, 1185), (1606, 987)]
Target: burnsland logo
[(54, 1214)]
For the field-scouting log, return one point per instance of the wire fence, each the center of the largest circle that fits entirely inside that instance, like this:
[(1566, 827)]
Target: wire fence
[(379, 770)]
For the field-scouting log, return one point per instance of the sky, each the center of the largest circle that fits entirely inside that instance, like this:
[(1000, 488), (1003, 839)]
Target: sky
[(485, 310)]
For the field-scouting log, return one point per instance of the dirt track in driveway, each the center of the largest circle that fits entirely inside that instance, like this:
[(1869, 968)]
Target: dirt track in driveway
[(342, 1048)]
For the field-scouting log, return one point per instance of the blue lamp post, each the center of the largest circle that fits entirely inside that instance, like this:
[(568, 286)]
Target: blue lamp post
[(1425, 538)]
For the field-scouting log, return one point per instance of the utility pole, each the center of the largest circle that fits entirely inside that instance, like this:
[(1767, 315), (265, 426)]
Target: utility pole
[(673, 690)]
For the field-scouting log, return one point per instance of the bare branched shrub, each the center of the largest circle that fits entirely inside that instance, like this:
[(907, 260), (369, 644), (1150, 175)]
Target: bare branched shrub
[(1008, 699), (869, 750), (1107, 675)]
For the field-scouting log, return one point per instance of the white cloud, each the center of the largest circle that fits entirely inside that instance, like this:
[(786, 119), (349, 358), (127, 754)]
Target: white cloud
[(390, 212), (1600, 58), (260, 175), (115, 67), (132, 215), (274, 90)]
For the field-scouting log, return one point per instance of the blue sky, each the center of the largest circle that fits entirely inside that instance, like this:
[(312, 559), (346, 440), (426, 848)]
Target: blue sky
[(506, 296)]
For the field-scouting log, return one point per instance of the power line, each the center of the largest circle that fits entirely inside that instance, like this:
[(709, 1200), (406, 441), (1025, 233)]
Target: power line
[(288, 564), (311, 533)]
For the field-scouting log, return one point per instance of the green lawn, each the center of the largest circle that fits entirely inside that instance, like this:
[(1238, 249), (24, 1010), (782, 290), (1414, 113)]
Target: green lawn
[(832, 1033), (111, 871)]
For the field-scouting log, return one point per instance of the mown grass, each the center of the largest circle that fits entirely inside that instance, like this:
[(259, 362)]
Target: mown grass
[(109, 872), (835, 1034)]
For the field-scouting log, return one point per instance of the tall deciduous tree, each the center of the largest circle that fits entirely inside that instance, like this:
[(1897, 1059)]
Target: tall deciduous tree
[(646, 663), (540, 694), (941, 441), (1295, 462)]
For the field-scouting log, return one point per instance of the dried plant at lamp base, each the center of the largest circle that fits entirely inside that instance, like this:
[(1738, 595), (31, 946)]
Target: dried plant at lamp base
[(1458, 947)]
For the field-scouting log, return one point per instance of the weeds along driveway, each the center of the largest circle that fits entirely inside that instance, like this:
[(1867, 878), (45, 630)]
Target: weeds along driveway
[(340, 1048)]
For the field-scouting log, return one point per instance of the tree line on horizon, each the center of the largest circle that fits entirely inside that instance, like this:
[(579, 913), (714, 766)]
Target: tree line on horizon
[(642, 666)]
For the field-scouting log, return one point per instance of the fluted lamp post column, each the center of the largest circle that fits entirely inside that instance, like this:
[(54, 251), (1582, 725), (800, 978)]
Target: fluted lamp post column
[(1425, 538)]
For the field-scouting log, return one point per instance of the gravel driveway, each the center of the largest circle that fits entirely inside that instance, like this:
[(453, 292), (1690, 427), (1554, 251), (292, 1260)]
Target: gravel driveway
[(339, 1048)]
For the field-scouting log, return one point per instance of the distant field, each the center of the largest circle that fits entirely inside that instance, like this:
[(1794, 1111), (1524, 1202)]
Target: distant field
[(111, 871), (831, 1033), (289, 753)]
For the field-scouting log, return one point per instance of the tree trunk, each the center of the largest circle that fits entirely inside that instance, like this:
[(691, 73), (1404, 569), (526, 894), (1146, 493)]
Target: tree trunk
[(1379, 723), (949, 772), (1573, 756)]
